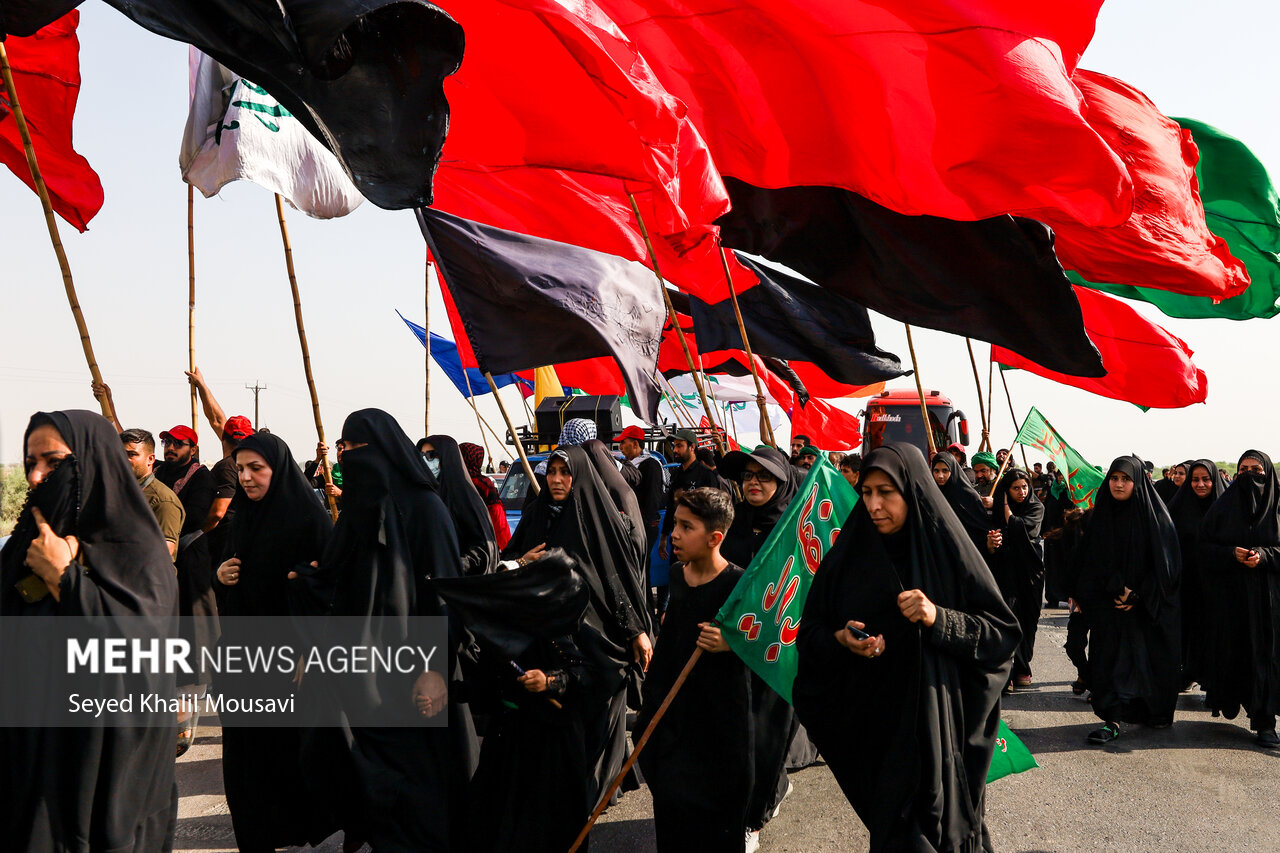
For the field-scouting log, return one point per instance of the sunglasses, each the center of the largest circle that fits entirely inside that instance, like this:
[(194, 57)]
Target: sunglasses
[(175, 442), (762, 477)]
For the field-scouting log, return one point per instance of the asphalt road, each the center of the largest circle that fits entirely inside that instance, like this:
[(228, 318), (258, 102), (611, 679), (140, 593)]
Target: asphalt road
[(1199, 786)]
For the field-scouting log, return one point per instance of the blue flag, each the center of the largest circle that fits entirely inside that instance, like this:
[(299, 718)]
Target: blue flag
[(445, 354)]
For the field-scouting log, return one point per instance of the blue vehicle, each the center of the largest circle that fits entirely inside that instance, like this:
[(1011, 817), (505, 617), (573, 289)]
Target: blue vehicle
[(516, 486)]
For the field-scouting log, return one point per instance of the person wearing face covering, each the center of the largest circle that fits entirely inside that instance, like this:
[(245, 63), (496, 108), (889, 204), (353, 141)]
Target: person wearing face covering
[(963, 498), (473, 456), (769, 484), (85, 545), (1013, 548), (1128, 573), (476, 539), (574, 512), (926, 680), (399, 786), (280, 526), (1199, 491), (1240, 561)]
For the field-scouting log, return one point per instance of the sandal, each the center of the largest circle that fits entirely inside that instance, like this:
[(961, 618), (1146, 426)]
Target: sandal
[(1078, 687), (1106, 734)]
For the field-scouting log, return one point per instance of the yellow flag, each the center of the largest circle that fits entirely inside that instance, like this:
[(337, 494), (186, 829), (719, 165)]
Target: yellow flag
[(546, 384)]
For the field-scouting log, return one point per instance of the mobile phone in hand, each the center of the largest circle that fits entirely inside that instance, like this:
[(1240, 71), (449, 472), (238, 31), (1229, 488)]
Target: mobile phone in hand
[(858, 633)]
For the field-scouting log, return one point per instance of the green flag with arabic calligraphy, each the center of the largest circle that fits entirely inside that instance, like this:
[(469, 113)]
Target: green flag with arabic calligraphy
[(761, 617), (1010, 755), (1082, 478)]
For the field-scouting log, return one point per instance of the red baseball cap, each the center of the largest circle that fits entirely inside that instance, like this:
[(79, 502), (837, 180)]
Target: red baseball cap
[(237, 427), (631, 432), (182, 433)]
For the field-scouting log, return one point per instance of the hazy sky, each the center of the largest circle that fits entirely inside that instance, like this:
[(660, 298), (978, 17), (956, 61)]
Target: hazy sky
[(1214, 63)]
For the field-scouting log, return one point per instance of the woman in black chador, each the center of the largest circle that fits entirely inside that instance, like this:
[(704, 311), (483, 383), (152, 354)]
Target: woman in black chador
[(1201, 488), (400, 787), (575, 512), (1128, 569), (906, 716), (86, 545), (476, 541), (1013, 549), (962, 497), (280, 527), (1240, 560)]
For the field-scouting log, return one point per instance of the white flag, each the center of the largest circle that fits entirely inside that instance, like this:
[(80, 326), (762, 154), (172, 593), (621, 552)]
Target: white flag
[(235, 131), (736, 396)]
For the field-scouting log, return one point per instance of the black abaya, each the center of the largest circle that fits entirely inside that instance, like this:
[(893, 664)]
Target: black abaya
[(282, 532), (1187, 511), (964, 500), (1017, 564), (1246, 601), (1134, 655), (909, 734), (476, 541), (64, 789)]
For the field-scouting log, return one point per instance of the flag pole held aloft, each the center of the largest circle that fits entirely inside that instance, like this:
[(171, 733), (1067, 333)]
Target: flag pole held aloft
[(982, 410), (68, 283), (924, 408), (1009, 397), (306, 355), (191, 298)]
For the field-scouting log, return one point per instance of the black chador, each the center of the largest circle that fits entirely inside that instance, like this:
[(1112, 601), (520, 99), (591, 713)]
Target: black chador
[(1188, 509), (1017, 564), (476, 540), (99, 788), (964, 500), (913, 759), (1245, 598), (1134, 654)]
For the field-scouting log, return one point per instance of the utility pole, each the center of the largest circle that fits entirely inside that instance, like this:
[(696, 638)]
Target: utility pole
[(256, 389)]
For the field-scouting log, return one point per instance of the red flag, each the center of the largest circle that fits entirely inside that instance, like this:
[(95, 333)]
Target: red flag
[(827, 425), (585, 210), (1166, 243), (1146, 365), (963, 110), (557, 85), (46, 73)]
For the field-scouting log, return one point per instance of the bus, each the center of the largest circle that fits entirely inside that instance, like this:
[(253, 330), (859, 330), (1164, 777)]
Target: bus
[(894, 415)]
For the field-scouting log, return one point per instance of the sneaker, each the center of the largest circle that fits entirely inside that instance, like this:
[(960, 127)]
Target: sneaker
[(785, 794), (1267, 739), (753, 841), (1106, 734), (1021, 681)]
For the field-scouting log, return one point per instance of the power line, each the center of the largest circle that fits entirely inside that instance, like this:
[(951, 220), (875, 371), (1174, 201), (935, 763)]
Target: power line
[(256, 389)]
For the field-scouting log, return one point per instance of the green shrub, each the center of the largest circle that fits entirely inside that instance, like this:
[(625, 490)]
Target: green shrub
[(13, 492)]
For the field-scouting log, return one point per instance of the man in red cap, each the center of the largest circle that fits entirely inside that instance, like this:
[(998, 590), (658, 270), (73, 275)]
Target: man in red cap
[(651, 493)]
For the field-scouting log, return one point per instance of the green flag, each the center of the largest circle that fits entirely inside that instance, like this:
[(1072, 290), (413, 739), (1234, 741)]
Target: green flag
[(1010, 755), (761, 617), (1242, 207), (1082, 478)]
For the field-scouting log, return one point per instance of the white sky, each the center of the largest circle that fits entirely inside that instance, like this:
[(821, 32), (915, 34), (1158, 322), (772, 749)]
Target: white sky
[(1211, 63)]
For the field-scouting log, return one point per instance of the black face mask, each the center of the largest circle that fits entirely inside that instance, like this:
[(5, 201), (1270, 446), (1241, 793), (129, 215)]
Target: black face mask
[(58, 497)]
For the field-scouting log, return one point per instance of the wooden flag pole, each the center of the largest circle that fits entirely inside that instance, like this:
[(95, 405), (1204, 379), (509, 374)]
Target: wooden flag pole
[(306, 354), (635, 753), (991, 390), (982, 411), (924, 408), (1016, 427), (191, 299), (524, 460), (479, 423), (426, 327), (676, 411), (104, 402), (671, 312), (746, 345)]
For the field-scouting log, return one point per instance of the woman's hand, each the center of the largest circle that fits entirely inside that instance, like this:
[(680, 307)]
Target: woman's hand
[(1121, 601), (430, 693), (872, 647), (994, 540), (534, 554), (1248, 557), (229, 572), (642, 649), (710, 639), (49, 554), (534, 680), (917, 607), (987, 502)]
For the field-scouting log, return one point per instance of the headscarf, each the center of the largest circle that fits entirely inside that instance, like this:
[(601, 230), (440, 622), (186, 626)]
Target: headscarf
[(1248, 513), (919, 706), (283, 531), (476, 539), (963, 499), (576, 431), (623, 496), (753, 524), (1027, 515), (985, 458), (473, 457), (591, 530), (1129, 544), (1187, 509)]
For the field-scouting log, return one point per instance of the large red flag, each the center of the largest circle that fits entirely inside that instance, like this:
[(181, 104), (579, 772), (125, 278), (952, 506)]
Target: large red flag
[(957, 108), (1146, 365), (1165, 243), (46, 72)]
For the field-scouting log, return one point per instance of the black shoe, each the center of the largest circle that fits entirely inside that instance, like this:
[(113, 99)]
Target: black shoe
[(1078, 687), (1267, 739), (1106, 734)]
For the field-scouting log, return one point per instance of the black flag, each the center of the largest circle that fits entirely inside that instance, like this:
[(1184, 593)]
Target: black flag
[(792, 319), (996, 279), (366, 77), (527, 302)]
